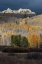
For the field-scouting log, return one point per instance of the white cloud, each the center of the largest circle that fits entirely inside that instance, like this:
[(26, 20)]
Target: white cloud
[(28, 11)]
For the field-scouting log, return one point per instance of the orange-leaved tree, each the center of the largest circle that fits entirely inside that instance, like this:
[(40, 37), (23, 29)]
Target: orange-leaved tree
[(34, 40)]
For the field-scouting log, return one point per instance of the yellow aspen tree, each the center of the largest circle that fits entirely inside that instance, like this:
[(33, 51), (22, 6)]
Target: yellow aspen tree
[(34, 40)]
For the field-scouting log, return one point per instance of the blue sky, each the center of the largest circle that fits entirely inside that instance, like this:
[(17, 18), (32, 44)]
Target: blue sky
[(34, 5)]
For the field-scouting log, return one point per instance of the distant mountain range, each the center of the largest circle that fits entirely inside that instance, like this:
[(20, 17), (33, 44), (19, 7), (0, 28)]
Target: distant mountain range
[(21, 11)]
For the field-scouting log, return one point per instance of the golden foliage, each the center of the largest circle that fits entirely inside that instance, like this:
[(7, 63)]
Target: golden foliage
[(34, 40), (30, 27), (10, 33)]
